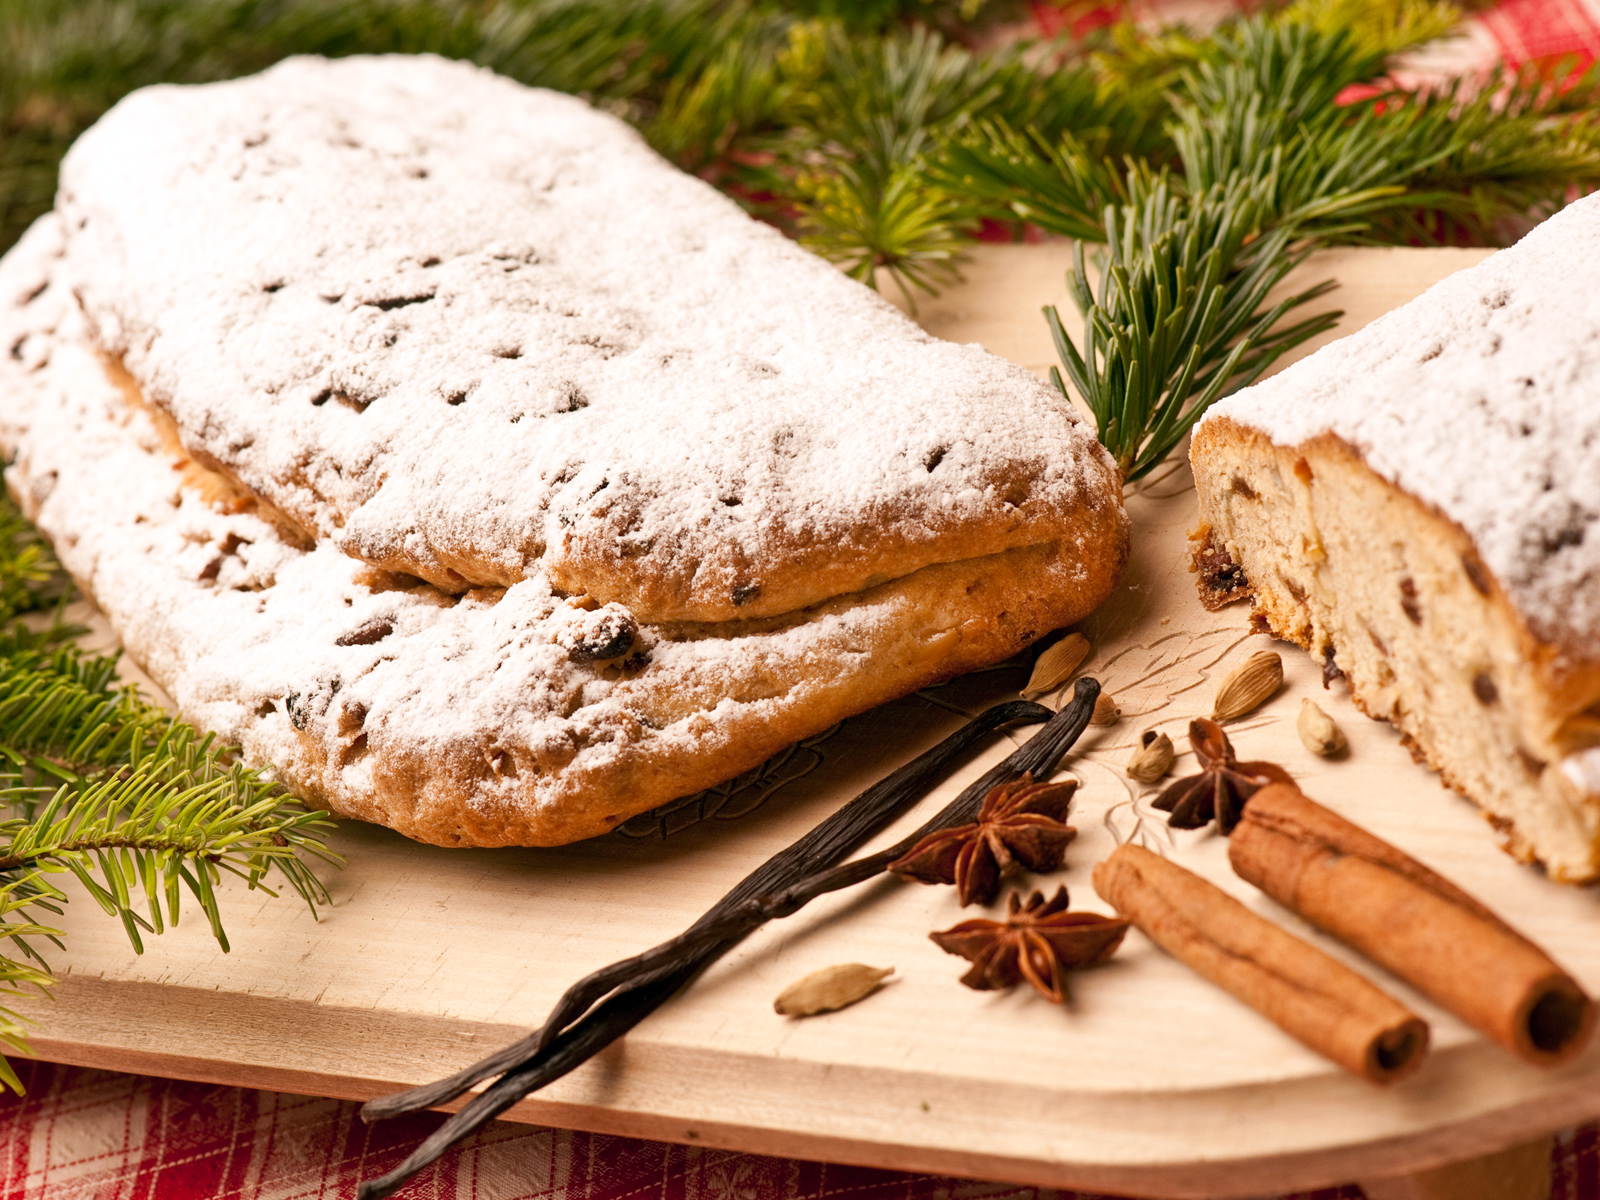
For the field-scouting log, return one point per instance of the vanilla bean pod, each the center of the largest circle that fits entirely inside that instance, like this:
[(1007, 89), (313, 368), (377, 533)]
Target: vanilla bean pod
[(825, 843), (639, 985)]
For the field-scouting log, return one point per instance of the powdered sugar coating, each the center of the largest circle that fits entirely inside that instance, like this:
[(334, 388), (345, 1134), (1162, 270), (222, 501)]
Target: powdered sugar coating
[(1482, 398), (481, 719), (453, 324)]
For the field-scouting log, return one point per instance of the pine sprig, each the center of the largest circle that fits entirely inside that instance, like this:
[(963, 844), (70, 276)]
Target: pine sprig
[(1381, 30), (99, 784), (176, 815), (731, 99), (862, 198), (866, 222), (1265, 88), (1503, 155), (887, 126), (1270, 165), (1060, 186), (1397, 166), (1180, 317), (30, 578)]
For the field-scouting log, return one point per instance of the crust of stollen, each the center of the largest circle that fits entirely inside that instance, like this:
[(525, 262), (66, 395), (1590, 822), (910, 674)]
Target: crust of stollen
[(942, 621), (1559, 687), (803, 568), (669, 731), (722, 581), (219, 489), (799, 570)]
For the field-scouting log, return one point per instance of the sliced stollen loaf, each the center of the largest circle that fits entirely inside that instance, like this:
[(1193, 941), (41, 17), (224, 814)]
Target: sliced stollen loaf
[(469, 330), (301, 572), (1419, 505)]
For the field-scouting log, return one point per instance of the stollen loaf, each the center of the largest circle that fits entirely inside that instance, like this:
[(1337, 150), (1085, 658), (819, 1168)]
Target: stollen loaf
[(432, 439)]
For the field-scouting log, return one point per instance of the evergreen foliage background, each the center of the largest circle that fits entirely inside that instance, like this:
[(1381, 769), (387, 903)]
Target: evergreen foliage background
[(98, 783), (871, 128)]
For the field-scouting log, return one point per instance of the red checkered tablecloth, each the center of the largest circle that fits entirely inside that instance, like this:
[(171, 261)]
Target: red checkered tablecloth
[(99, 1135)]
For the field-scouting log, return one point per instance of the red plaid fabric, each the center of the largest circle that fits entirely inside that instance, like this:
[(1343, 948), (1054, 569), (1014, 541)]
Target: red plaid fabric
[(1513, 31), (97, 1135), (1521, 30)]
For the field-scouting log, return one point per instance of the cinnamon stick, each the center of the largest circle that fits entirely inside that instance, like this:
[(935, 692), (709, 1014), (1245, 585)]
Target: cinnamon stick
[(1381, 901), (1308, 995)]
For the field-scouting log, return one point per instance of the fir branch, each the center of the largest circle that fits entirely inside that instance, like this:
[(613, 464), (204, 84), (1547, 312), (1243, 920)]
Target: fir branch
[(78, 753), (1273, 167), (30, 578), (1380, 28), (1398, 167), (732, 98), (177, 814), (1051, 99), (100, 784), (1262, 86), (862, 197), (900, 225), (135, 805), (1061, 187), (621, 54), (1136, 60), (1502, 155), (18, 979), (878, 15), (1180, 318)]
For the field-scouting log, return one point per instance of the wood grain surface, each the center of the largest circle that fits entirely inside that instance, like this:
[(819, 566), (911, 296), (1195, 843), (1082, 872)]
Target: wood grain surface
[(1148, 1082)]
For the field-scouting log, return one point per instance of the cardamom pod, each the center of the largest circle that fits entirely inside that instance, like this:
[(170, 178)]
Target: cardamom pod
[(1317, 730), (1106, 711), (1152, 757), (1249, 686), (1056, 665), (829, 989)]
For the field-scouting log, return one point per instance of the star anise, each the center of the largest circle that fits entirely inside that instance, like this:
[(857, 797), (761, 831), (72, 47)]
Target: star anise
[(1038, 941), (1020, 822), (1223, 786)]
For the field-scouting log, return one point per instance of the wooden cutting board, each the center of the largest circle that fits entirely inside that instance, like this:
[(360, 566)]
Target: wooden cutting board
[(1149, 1082)]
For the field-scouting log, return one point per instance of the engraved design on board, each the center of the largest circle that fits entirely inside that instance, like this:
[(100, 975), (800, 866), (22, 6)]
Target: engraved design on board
[(1158, 685), (738, 796)]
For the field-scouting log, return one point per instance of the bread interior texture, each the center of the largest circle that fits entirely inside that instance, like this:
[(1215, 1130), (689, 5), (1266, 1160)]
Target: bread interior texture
[(1393, 597)]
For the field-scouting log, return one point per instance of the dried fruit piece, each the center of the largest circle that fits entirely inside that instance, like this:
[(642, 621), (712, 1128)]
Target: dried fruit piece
[(829, 989), (1317, 730), (1056, 665), (1106, 711), (1249, 686), (1152, 757)]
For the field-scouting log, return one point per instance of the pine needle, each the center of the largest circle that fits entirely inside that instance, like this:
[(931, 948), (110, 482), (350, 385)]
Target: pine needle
[(1180, 318), (99, 784)]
